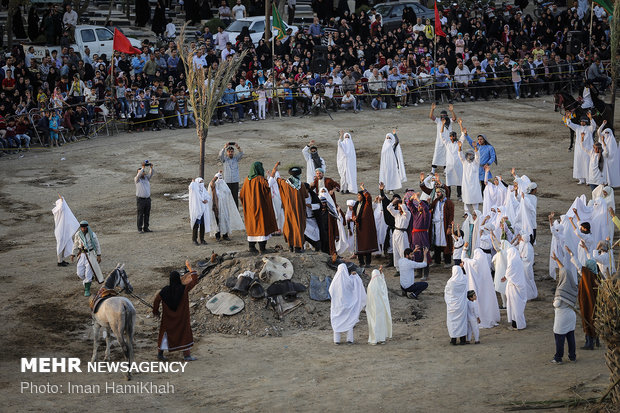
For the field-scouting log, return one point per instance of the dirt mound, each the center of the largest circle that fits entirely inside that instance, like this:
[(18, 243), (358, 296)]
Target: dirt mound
[(258, 319)]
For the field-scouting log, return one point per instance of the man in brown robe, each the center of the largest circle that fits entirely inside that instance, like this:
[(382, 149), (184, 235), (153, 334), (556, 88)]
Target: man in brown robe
[(260, 220), (321, 181), (365, 230), (588, 288), (442, 207), (175, 331), (293, 195)]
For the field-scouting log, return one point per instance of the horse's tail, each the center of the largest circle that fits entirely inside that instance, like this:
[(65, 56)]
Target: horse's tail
[(130, 321)]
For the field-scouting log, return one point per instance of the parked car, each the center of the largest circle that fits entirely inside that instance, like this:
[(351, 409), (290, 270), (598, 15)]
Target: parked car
[(256, 26), (392, 13), (99, 39)]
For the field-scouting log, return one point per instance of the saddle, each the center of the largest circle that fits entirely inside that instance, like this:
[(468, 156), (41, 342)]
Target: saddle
[(102, 295)]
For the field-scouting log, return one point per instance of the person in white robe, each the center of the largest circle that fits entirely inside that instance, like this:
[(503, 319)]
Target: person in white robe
[(580, 158), (65, 226), (558, 242), (586, 241), (392, 167), (494, 193), (605, 193), (199, 197), (313, 161), (348, 299), (400, 239), (596, 164), (471, 192), (346, 160), (527, 205), (500, 263), (455, 296), (378, 311), (471, 232), (473, 318), (480, 280), (276, 200), (444, 127), (381, 226), (604, 259), (516, 290), (611, 168), (526, 252), (454, 166), (225, 217)]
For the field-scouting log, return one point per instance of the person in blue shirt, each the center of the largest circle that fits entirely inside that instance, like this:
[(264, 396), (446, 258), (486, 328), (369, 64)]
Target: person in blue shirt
[(442, 82), (288, 98), (487, 156), (138, 63), (228, 101)]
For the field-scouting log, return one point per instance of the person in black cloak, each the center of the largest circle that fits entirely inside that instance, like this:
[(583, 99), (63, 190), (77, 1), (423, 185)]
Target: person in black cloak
[(159, 19), (18, 24), (143, 12), (33, 24)]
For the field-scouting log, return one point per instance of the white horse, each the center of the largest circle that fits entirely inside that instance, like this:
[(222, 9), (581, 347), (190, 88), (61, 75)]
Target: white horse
[(116, 314)]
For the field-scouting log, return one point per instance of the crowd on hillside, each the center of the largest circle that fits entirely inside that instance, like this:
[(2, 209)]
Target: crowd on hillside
[(360, 66)]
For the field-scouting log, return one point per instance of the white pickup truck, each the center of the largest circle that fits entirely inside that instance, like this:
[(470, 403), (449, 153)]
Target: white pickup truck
[(99, 40)]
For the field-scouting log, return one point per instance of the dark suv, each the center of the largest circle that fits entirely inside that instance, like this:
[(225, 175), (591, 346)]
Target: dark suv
[(392, 13)]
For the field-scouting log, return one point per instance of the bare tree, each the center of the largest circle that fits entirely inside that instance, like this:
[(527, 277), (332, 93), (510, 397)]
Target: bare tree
[(206, 87)]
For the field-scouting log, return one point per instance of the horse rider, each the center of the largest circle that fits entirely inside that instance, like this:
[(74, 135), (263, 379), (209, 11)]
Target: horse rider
[(84, 242), (586, 96)]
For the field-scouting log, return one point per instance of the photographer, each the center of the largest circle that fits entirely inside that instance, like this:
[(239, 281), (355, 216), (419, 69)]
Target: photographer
[(143, 195)]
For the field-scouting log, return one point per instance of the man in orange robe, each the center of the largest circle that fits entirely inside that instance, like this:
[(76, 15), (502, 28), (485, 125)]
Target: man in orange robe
[(260, 220), (293, 195)]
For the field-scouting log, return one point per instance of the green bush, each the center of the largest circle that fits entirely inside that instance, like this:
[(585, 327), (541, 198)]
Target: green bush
[(213, 24)]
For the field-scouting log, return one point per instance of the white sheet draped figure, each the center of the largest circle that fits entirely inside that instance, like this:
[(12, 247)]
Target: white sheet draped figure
[(228, 219), (392, 167), (611, 167), (65, 226), (470, 184), (197, 208), (516, 289), (500, 263), (400, 240), (276, 201), (443, 133), (380, 225), (454, 167), (346, 160), (480, 280), (581, 160), (378, 311), (455, 296), (348, 298), (526, 252)]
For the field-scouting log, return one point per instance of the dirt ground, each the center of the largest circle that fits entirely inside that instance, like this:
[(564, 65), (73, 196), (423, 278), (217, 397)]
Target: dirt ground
[(294, 366)]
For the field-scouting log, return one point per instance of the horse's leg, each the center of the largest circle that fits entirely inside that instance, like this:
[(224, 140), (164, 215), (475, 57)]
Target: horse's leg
[(108, 339), (96, 328), (118, 326), (130, 321)]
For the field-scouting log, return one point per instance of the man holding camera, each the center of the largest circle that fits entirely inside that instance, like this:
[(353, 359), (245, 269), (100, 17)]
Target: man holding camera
[(230, 159), (143, 195)]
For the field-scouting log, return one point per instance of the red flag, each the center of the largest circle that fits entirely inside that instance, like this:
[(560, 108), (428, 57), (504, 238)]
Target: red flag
[(438, 31), (122, 44)]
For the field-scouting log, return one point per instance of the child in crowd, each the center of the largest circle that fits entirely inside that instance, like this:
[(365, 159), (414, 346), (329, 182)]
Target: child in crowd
[(54, 128), (262, 102), (458, 242), (473, 317)]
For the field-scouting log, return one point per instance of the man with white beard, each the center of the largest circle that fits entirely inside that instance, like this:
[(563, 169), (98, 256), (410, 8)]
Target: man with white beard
[(347, 163), (444, 127), (581, 160), (454, 166), (392, 167), (400, 240), (472, 194), (313, 160)]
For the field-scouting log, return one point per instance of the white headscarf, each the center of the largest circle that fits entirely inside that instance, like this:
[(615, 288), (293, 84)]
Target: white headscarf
[(346, 160), (348, 298), (378, 309), (197, 194), (455, 296), (611, 170), (392, 167)]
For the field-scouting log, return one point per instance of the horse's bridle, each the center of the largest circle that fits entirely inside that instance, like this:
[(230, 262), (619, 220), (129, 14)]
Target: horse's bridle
[(123, 277)]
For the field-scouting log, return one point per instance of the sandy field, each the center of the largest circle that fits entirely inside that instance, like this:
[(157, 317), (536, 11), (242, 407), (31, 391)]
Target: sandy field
[(292, 365)]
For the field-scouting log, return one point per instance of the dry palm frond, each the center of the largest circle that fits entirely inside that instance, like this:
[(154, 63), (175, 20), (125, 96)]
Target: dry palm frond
[(608, 327), (205, 85)]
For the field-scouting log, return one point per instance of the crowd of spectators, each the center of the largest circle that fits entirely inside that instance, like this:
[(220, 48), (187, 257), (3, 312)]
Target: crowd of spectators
[(342, 61)]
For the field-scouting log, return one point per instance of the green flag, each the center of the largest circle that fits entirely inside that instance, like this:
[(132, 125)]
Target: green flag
[(277, 23), (607, 5)]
